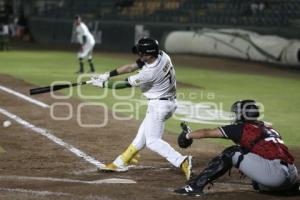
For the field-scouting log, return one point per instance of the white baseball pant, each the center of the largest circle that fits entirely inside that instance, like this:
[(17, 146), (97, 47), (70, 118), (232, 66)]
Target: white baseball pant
[(152, 128), (87, 50)]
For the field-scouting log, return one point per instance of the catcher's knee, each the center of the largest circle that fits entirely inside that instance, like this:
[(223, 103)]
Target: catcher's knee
[(221, 163), (229, 152)]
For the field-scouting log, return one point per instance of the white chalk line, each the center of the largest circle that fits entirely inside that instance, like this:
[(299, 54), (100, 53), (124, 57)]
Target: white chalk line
[(44, 193), (35, 192), (43, 131), (131, 167), (101, 181), (22, 96), (53, 138), (143, 167)]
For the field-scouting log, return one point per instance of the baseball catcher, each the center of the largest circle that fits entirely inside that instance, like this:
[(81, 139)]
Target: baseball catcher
[(259, 153), (156, 79)]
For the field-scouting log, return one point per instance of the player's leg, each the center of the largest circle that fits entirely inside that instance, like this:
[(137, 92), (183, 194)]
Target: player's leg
[(90, 59), (158, 113), (137, 144), (81, 65), (268, 175), (130, 154), (81, 55), (217, 167)]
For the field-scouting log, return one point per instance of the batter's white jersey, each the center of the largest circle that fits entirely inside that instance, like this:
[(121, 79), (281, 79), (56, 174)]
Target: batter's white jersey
[(82, 30), (157, 79)]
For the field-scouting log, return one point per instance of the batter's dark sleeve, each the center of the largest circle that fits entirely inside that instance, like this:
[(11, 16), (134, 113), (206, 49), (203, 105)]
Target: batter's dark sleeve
[(233, 132)]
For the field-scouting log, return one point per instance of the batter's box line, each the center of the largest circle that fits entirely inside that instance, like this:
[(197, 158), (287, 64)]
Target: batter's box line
[(131, 167), (50, 179), (46, 133), (143, 167), (44, 193)]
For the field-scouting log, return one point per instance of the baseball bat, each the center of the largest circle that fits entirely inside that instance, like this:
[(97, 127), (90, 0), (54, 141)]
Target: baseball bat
[(46, 89)]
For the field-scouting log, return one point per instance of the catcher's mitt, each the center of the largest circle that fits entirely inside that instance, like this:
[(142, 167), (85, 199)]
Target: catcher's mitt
[(182, 141)]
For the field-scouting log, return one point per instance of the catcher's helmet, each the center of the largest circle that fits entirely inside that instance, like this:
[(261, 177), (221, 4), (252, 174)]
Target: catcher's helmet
[(146, 46), (245, 110)]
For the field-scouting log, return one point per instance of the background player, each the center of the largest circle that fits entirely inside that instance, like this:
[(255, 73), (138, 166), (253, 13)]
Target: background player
[(87, 42), (260, 154), (157, 82)]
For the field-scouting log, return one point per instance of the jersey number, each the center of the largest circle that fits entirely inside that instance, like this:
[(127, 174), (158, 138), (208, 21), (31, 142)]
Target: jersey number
[(169, 69), (273, 136)]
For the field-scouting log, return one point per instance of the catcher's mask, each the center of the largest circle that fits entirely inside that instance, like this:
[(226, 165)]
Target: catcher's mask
[(245, 110), (146, 46)]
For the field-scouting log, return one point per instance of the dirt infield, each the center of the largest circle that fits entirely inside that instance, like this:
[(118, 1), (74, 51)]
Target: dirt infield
[(34, 167)]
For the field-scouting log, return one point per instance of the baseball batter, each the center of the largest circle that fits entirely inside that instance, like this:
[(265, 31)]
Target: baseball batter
[(87, 42), (156, 80), (260, 154)]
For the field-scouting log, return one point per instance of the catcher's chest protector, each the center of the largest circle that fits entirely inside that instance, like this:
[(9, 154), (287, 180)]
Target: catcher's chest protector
[(265, 142)]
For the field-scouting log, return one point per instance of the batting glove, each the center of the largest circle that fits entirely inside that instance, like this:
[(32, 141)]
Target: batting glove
[(103, 77), (97, 82)]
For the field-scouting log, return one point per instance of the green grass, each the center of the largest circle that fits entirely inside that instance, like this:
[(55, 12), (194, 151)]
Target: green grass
[(280, 96)]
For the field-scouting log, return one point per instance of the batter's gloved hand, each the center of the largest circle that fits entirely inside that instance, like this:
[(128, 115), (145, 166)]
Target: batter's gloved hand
[(97, 82), (183, 142), (102, 77)]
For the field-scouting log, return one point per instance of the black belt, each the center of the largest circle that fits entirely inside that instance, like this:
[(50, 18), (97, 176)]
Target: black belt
[(165, 98)]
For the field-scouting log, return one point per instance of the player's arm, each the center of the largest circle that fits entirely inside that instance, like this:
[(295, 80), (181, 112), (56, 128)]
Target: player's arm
[(185, 138), (111, 84), (205, 133), (128, 68), (132, 81), (124, 69)]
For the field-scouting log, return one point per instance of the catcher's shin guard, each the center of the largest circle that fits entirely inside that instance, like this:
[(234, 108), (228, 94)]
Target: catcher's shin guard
[(215, 169)]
